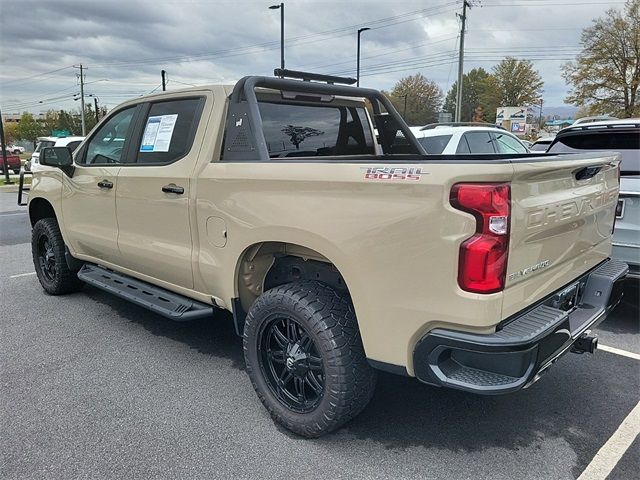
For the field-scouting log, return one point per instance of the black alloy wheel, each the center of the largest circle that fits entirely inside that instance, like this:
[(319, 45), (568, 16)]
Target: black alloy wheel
[(291, 364), (46, 258), (305, 358), (48, 251)]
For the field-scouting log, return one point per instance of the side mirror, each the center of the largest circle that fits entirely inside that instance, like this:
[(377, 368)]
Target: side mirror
[(60, 157)]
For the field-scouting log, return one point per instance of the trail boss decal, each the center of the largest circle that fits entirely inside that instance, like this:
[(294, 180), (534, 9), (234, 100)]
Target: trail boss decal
[(393, 173)]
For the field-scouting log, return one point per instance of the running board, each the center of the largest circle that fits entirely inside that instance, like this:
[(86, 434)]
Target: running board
[(169, 305)]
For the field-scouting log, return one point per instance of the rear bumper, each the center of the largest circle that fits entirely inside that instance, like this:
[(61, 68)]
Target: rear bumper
[(523, 347)]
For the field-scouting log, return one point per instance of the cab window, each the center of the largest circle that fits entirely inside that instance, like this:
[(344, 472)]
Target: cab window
[(107, 144), (168, 131), (292, 130)]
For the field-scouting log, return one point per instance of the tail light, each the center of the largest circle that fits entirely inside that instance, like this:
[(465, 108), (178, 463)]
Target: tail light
[(483, 257)]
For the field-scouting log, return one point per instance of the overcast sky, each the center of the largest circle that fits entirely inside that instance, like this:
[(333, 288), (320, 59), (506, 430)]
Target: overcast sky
[(125, 44)]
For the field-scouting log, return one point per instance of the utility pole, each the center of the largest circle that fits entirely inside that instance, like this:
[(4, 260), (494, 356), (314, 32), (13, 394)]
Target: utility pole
[(163, 73), (465, 4), (281, 8), (5, 165), (84, 127), (95, 103)]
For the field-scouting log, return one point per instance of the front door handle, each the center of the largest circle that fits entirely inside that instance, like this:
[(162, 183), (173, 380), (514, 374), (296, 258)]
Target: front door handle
[(173, 188), (105, 184)]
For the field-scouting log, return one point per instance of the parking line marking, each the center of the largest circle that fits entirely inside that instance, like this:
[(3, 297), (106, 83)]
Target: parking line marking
[(611, 452), (618, 351), (22, 275)]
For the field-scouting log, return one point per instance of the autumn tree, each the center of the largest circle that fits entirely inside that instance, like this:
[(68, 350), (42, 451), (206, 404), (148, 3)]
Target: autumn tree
[(606, 74), (421, 96), (480, 98), (11, 133), (518, 83)]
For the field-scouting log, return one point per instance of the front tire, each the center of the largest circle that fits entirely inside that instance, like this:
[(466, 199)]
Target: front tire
[(47, 249), (305, 358)]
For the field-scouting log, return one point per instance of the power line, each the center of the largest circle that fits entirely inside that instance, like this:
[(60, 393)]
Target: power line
[(384, 22), (35, 75)]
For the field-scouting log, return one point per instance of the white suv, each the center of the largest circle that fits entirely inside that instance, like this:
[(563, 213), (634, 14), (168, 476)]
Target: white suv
[(34, 163), (471, 138)]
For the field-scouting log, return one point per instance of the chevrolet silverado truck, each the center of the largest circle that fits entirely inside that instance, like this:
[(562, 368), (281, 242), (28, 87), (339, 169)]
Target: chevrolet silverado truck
[(287, 202)]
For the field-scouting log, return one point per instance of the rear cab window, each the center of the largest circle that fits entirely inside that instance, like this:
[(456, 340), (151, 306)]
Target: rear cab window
[(305, 130)]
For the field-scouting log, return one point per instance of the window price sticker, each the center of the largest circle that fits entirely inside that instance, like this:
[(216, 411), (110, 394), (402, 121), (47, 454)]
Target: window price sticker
[(158, 132)]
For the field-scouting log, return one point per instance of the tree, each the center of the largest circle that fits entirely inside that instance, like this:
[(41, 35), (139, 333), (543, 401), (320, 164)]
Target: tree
[(298, 134), (421, 96), (10, 133), (518, 83), (29, 128), (479, 97), (606, 74)]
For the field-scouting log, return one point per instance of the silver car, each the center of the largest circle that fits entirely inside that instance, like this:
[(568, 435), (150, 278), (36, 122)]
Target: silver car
[(621, 136)]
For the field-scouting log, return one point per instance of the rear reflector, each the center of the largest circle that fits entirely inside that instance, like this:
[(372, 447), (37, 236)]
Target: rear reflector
[(483, 257)]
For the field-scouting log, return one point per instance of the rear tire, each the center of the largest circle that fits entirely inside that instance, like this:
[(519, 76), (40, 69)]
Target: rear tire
[(305, 358), (48, 249)]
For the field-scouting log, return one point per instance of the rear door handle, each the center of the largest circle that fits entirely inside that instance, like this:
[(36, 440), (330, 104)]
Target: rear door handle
[(105, 184), (173, 188)]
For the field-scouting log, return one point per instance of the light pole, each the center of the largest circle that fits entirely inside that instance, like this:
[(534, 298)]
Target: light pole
[(360, 30), (281, 7), (540, 120)]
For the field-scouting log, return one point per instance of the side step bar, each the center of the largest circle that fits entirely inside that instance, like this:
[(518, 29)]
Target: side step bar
[(168, 304)]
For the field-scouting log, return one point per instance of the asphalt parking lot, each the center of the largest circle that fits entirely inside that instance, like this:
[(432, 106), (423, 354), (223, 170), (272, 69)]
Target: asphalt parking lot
[(93, 387)]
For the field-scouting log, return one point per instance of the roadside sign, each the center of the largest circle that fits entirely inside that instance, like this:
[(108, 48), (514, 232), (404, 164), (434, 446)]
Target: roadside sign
[(60, 133)]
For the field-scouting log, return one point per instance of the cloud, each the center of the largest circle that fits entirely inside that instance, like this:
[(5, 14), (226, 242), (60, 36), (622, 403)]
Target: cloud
[(198, 41)]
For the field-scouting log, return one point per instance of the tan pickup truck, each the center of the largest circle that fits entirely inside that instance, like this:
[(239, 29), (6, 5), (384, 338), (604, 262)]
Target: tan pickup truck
[(338, 250)]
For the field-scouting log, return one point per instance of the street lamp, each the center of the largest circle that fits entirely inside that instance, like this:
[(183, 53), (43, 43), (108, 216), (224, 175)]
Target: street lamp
[(360, 30), (281, 7)]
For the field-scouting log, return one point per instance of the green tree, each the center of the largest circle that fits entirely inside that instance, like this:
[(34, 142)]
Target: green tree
[(50, 121), (606, 74), (518, 83), (29, 128), (421, 96), (479, 97)]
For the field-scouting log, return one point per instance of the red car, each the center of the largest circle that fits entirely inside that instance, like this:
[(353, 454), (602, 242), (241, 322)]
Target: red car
[(13, 161)]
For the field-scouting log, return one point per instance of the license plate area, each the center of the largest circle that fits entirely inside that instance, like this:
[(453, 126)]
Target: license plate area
[(569, 298), (620, 208)]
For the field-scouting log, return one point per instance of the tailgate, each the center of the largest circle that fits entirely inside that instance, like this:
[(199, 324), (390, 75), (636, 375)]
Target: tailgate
[(563, 208)]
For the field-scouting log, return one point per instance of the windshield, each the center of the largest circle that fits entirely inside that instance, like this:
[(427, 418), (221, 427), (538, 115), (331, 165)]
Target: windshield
[(539, 147), (44, 144), (626, 142)]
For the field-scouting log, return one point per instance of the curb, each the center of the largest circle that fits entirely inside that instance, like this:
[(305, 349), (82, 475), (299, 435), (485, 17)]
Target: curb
[(9, 188)]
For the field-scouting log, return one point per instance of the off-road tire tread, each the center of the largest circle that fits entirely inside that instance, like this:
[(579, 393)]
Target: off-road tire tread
[(66, 280), (350, 379)]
